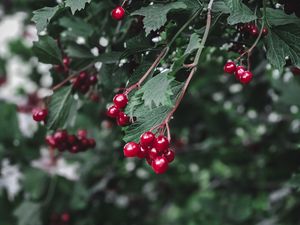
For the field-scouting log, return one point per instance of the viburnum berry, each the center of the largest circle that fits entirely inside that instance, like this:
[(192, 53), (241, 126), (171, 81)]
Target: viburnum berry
[(254, 31), (39, 114), (143, 152), (65, 217), (131, 149), (112, 111), (239, 71), (229, 67), (122, 119), (82, 133), (146, 139), (161, 143), (66, 62), (120, 100), (50, 141), (118, 13), (153, 153), (60, 136), (170, 155), (246, 77), (93, 80), (160, 165), (265, 31)]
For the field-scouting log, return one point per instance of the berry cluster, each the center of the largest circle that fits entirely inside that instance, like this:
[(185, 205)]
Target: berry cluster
[(39, 114), (291, 6), (154, 149), (60, 219), (115, 111), (72, 143), (241, 74), (295, 71), (64, 68), (250, 29), (83, 82), (118, 13)]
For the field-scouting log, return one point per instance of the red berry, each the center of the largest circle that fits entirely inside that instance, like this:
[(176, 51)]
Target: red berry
[(118, 13), (66, 61), (265, 31), (229, 67), (246, 77), (153, 153), (61, 136), (39, 114), (112, 111), (295, 70), (65, 217), (72, 139), (161, 143), (149, 161), (50, 141), (83, 76), (84, 88), (120, 100), (239, 72), (122, 119), (147, 139), (93, 80), (82, 133), (160, 165), (254, 31), (143, 152), (92, 143), (84, 144), (62, 146), (74, 149), (170, 155), (131, 149)]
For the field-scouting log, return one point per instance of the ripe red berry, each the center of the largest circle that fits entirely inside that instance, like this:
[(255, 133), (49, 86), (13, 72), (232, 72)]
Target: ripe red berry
[(83, 76), (93, 80), (143, 152), (170, 155), (295, 70), (39, 114), (131, 149), (72, 139), (118, 13), (66, 61), (160, 165), (92, 143), (61, 136), (82, 133), (239, 72), (153, 153), (229, 67), (161, 143), (120, 100), (50, 141), (112, 111), (74, 149), (254, 31), (122, 119), (246, 77), (65, 217), (265, 31), (147, 139)]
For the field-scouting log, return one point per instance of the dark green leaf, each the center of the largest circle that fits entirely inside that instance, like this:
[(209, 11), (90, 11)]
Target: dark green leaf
[(278, 17), (239, 12), (28, 213), (76, 5), (43, 16)]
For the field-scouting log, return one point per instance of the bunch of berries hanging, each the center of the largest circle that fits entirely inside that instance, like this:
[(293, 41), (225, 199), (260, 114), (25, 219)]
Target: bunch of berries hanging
[(156, 150), (242, 75), (63, 141), (83, 82), (115, 111)]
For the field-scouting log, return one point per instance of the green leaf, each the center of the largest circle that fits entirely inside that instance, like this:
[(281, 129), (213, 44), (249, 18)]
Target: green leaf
[(43, 16), (220, 6), (278, 17), (10, 123), (155, 16), (61, 108), (79, 51), (239, 12), (283, 41), (76, 5), (28, 213), (157, 91), (147, 118), (194, 44), (47, 51), (77, 26)]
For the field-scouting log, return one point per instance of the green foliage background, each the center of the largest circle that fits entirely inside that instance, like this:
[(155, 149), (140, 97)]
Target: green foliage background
[(235, 163)]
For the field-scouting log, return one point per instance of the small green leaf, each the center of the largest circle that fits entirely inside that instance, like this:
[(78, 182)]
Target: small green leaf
[(147, 118), (76, 5), (77, 26), (47, 51), (79, 51), (282, 42), (194, 44), (28, 213), (239, 12), (43, 16), (61, 109), (278, 17), (155, 16)]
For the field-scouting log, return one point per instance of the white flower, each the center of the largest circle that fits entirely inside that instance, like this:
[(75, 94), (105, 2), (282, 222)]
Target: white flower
[(10, 179), (27, 125), (61, 167)]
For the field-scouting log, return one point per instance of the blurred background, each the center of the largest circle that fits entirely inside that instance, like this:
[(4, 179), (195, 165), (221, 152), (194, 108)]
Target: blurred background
[(237, 148)]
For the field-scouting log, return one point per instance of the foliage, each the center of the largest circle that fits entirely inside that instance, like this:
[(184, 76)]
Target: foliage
[(237, 146)]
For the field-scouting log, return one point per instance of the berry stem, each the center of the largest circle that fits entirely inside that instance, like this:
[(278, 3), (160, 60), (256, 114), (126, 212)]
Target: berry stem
[(124, 2), (193, 65), (56, 87)]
